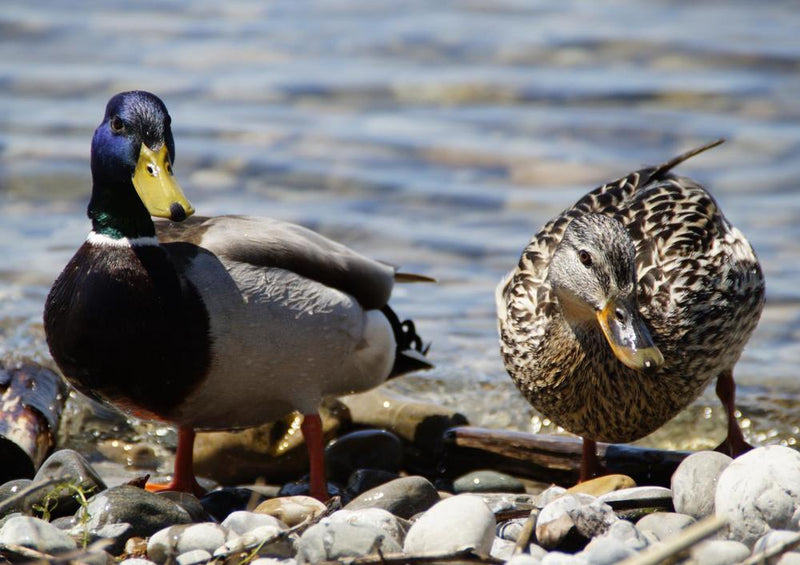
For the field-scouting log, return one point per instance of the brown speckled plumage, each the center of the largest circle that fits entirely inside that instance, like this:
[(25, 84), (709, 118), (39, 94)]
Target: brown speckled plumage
[(700, 292)]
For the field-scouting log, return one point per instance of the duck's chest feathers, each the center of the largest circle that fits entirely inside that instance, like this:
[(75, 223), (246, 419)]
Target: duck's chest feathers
[(120, 322)]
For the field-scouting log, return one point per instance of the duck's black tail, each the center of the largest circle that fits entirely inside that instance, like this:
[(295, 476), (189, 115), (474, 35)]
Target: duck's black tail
[(410, 355)]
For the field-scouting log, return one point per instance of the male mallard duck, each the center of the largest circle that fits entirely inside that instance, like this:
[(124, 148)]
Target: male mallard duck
[(626, 305), (214, 323)]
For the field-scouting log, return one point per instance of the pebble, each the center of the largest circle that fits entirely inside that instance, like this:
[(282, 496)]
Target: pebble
[(525, 559), (603, 485), (269, 539), (760, 491), (221, 502), (790, 558), (291, 510), (585, 513), (487, 481), (11, 488), (273, 561), (718, 552), (625, 532), (188, 502), (37, 534), (362, 480), (328, 541), (136, 561), (193, 557), (694, 483), (664, 524), (606, 551), (502, 549), (241, 522), (363, 449), (177, 540), (460, 522), (69, 466), (394, 527), (146, 512), (560, 558), (403, 497), (773, 538)]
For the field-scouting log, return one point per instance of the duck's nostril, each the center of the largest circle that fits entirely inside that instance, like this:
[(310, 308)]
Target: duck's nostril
[(176, 212)]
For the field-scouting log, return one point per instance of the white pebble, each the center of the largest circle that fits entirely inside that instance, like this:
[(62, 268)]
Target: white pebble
[(453, 524)]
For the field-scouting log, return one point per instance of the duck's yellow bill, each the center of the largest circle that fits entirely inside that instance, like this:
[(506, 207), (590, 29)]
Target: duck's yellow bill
[(156, 185), (628, 336)]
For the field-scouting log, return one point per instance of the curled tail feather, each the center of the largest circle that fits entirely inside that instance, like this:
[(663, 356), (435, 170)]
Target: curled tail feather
[(411, 351)]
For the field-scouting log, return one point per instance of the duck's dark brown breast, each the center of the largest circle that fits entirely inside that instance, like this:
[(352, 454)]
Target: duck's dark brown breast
[(123, 326)]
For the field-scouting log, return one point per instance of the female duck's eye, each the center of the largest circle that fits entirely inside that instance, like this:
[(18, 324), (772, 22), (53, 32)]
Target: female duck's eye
[(585, 258), (117, 125)]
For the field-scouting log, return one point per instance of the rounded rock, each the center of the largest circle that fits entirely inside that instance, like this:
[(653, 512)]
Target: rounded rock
[(487, 481), (242, 521), (68, 466), (524, 559), (291, 510), (177, 540), (136, 561), (363, 480), (664, 524), (37, 534), (456, 523), (272, 540), (772, 539), (560, 558), (403, 497), (391, 525), (273, 561), (328, 541), (760, 491), (193, 557), (790, 558), (694, 483), (363, 449), (606, 551), (588, 515), (718, 552), (502, 549), (627, 533)]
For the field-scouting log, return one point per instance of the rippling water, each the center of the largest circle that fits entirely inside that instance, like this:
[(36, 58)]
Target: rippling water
[(435, 135)]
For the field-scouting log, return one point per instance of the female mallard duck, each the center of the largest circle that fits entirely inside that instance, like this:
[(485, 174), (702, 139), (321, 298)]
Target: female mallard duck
[(214, 323), (626, 305)]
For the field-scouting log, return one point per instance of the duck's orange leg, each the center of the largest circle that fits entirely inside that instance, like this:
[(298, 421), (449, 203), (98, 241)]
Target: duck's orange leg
[(183, 477), (312, 433), (734, 444)]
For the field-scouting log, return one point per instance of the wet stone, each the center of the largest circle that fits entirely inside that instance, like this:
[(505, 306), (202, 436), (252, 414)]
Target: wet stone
[(37, 534), (12, 488), (177, 540), (69, 466), (487, 481), (760, 491), (456, 523), (363, 480), (219, 503), (291, 510), (403, 497), (718, 552), (146, 512), (327, 541), (383, 520), (117, 534), (694, 483), (363, 449), (188, 502)]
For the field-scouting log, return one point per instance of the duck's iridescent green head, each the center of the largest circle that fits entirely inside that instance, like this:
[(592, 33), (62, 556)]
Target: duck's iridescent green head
[(593, 274), (132, 155)]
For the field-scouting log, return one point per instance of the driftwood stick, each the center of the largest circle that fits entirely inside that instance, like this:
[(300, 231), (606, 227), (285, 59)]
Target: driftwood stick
[(772, 551), (551, 458), (678, 543), (528, 532)]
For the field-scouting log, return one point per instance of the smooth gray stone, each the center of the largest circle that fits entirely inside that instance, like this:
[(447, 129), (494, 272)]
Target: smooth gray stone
[(37, 534), (771, 539), (136, 561), (606, 551), (718, 552), (487, 481), (637, 493), (12, 488), (460, 522), (394, 527), (188, 502), (559, 558), (502, 549), (192, 557), (242, 521), (117, 533), (363, 449), (328, 541), (273, 540), (403, 497), (585, 513), (177, 540), (68, 466), (627, 533), (790, 558), (664, 524), (694, 483), (549, 495), (146, 512), (759, 492), (525, 559), (362, 480)]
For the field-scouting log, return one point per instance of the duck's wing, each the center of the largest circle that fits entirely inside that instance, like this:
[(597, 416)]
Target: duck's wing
[(267, 242)]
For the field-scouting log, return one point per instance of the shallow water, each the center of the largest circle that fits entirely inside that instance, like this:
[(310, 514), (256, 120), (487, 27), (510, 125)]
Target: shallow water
[(434, 135)]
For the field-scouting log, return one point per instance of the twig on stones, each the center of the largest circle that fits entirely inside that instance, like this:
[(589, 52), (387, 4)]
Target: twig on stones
[(772, 551), (528, 532), (678, 543)]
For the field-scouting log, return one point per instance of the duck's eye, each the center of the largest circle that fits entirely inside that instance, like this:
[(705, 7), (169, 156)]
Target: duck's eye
[(585, 258), (117, 125)]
